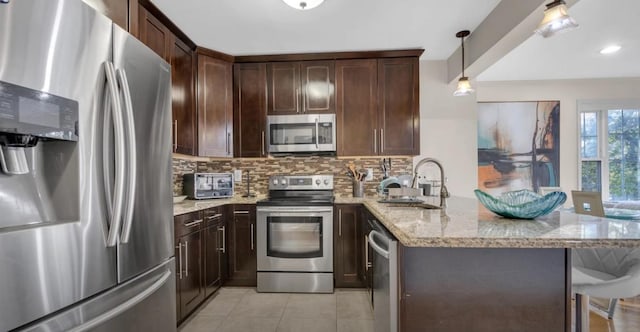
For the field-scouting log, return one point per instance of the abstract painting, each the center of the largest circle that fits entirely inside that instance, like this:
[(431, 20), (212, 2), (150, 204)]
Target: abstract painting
[(518, 145)]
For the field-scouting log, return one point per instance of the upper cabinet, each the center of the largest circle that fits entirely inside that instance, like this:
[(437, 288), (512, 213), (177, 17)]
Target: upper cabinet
[(398, 106), (215, 106), (154, 34), (378, 107), (300, 87), (250, 109)]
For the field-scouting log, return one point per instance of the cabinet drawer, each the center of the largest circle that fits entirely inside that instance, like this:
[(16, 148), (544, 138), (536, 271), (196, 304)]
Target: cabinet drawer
[(213, 216), (187, 223)]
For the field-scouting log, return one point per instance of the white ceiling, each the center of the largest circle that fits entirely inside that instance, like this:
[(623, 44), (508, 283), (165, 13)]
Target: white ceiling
[(575, 54), (249, 27)]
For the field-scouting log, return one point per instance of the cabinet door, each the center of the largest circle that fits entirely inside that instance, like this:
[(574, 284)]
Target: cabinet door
[(191, 288), (283, 83), (215, 107), (317, 81), (242, 250), (213, 250), (398, 106), (347, 252), (154, 34), (116, 10), (250, 109), (357, 114), (182, 98), (367, 263)]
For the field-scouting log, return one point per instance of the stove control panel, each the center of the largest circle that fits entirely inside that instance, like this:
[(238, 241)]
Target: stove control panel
[(301, 182)]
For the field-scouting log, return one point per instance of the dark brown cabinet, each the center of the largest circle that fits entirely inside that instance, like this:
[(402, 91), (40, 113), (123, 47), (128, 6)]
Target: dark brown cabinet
[(366, 267), (356, 107), (300, 87), (398, 106), (378, 107), (116, 10), (215, 107), (242, 248), (347, 246), (214, 233), (153, 33), (188, 241), (250, 109)]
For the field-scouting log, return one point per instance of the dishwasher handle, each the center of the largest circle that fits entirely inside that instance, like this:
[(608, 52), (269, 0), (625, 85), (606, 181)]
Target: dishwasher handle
[(372, 241)]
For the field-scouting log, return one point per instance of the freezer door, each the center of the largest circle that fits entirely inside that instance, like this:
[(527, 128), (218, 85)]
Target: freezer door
[(145, 303), (53, 250), (145, 82)]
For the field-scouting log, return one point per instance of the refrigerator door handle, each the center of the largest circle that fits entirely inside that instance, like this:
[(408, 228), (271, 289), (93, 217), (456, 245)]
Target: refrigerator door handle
[(131, 156), (124, 306), (117, 199)]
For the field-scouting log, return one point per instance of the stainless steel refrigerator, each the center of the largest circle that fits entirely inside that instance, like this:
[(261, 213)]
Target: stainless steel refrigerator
[(86, 225)]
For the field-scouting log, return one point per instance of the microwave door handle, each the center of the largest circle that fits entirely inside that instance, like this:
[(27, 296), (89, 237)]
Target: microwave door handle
[(131, 156), (317, 135), (118, 125)]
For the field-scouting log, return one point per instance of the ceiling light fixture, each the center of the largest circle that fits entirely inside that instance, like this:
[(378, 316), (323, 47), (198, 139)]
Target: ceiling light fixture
[(556, 19), (464, 86), (610, 49), (303, 4)]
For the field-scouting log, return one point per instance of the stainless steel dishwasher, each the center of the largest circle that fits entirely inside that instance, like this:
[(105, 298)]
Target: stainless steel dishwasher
[(385, 279)]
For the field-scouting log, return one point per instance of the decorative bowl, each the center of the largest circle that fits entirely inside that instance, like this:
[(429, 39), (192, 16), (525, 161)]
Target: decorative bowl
[(521, 204)]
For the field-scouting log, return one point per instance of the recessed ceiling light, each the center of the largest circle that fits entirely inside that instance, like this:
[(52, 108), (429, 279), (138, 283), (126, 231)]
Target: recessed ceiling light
[(610, 49)]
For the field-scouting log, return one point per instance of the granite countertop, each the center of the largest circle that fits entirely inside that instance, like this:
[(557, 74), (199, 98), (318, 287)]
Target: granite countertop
[(466, 223), (188, 205)]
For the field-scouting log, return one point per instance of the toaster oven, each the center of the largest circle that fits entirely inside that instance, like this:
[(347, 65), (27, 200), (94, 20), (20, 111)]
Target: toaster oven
[(208, 185)]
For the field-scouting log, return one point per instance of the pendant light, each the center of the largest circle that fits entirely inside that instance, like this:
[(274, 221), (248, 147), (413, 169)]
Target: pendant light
[(464, 86), (556, 19), (303, 4)]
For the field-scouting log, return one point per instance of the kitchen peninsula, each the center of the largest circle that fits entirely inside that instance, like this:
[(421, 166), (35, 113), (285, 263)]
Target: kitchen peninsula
[(466, 269)]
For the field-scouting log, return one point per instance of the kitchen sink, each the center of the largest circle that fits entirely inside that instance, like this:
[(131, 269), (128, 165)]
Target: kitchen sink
[(408, 202)]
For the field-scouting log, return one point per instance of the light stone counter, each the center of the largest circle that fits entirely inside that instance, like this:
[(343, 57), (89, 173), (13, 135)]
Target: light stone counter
[(187, 206), (466, 223)]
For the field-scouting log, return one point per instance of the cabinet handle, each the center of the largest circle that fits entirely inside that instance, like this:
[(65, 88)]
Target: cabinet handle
[(367, 264), (381, 140), (179, 247), (175, 135), (375, 141), (224, 241), (340, 222), (186, 259), (252, 237), (240, 212), (193, 223), (215, 216), (228, 145), (263, 149), (298, 110)]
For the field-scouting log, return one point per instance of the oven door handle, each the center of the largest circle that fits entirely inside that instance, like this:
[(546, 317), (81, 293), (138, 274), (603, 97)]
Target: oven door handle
[(294, 210)]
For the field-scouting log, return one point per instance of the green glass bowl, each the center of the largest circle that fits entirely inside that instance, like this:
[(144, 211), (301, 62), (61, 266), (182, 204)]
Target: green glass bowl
[(521, 204)]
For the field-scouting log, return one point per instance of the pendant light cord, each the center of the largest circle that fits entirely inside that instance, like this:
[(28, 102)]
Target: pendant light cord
[(462, 42)]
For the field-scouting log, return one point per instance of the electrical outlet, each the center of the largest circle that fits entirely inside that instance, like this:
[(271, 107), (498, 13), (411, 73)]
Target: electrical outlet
[(237, 175), (369, 176)]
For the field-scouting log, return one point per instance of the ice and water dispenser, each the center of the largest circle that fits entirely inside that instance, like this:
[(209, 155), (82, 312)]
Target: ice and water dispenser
[(39, 166)]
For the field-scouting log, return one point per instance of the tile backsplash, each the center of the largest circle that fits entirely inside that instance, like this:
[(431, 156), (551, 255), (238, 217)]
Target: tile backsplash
[(260, 170)]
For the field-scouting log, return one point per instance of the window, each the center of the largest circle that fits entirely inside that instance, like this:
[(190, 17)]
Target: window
[(609, 152)]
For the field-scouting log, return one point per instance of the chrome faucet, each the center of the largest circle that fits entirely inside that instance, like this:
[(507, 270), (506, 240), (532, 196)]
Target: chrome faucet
[(444, 193)]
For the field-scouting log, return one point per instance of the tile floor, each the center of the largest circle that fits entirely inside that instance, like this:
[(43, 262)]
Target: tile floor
[(236, 309)]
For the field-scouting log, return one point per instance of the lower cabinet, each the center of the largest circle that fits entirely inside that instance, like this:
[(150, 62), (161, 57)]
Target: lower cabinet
[(241, 238), (348, 246), (215, 262), (366, 267), (188, 246)]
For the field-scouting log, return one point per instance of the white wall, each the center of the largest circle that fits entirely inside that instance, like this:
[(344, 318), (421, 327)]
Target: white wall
[(449, 124)]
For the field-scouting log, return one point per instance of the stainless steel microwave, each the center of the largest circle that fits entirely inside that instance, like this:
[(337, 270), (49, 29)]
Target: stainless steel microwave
[(208, 185), (301, 133)]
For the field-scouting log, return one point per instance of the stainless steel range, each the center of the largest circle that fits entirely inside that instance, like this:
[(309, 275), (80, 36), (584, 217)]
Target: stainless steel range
[(295, 235)]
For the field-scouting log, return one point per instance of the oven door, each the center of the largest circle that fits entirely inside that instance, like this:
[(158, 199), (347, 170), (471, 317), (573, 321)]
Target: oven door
[(301, 133), (295, 239)]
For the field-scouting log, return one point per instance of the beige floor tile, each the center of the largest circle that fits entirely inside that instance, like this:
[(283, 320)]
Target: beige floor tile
[(355, 325), (262, 305), (307, 325), (311, 306), (203, 324), (249, 324), (220, 305), (353, 305)]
